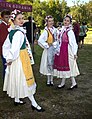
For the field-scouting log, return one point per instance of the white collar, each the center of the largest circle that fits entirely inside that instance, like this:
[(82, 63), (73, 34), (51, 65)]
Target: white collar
[(63, 29), (52, 29), (4, 22), (17, 27), (67, 28)]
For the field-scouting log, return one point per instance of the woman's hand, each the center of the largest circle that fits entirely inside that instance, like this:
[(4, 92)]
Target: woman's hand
[(8, 63)]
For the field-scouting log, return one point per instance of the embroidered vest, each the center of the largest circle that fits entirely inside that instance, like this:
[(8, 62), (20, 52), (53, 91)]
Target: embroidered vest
[(50, 38), (11, 34), (65, 37), (61, 62)]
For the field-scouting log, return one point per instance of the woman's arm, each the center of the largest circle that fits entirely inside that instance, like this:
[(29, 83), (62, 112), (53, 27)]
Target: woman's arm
[(14, 48), (72, 42), (42, 40)]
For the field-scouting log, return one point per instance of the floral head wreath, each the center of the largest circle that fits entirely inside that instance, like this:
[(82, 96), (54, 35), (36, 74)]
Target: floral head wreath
[(46, 19), (70, 17), (14, 14)]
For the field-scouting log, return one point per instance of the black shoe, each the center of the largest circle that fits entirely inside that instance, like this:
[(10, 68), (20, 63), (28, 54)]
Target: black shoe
[(18, 103), (59, 87), (71, 88), (47, 84), (38, 110), (51, 83)]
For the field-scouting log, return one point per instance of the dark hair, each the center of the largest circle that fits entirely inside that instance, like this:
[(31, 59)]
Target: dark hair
[(68, 17), (84, 23), (29, 18), (5, 12), (46, 18)]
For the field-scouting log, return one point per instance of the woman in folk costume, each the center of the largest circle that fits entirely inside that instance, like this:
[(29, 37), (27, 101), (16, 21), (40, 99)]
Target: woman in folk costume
[(19, 79), (65, 65), (47, 41)]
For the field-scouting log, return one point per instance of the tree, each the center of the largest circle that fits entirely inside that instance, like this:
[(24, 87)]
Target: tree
[(58, 9), (82, 11), (65, 8)]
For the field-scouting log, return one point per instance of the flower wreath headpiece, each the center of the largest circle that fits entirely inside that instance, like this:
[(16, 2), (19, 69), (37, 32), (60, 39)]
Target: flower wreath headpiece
[(14, 14)]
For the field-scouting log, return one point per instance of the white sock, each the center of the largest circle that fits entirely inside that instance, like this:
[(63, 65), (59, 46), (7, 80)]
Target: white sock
[(73, 81), (17, 100), (62, 82), (48, 79), (51, 79), (33, 101)]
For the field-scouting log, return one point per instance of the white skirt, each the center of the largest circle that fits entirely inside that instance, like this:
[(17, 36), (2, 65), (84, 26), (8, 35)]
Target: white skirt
[(43, 65), (15, 82), (74, 71)]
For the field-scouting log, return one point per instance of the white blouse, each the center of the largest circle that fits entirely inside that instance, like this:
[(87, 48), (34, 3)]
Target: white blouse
[(11, 51), (72, 42), (44, 36)]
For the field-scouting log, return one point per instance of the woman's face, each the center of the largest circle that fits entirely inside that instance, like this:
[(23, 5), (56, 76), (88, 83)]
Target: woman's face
[(19, 20), (67, 21), (50, 22)]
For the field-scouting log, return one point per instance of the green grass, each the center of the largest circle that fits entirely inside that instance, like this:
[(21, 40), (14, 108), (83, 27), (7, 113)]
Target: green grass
[(90, 29), (88, 39), (59, 104)]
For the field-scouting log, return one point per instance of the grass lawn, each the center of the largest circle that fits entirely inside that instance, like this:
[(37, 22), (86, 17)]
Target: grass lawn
[(58, 103), (88, 39)]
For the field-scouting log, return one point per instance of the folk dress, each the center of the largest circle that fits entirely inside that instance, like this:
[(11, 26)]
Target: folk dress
[(19, 79), (47, 41), (65, 66)]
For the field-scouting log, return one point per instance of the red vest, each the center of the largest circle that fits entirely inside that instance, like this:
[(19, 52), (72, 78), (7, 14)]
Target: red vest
[(3, 34)]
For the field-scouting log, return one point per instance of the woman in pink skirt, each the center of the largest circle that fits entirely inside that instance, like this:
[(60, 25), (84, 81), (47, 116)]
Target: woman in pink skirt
[(65, 65)]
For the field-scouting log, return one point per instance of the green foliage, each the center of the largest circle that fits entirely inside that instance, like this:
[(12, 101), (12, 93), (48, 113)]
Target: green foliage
[(81, 11)]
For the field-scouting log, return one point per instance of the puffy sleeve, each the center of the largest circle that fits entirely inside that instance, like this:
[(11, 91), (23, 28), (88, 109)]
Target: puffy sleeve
[(11, 50), (72, 42), (6, 46), (42, 40)]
